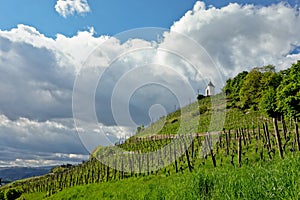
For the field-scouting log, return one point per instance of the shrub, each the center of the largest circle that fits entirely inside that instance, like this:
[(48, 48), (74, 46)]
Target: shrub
[(2, 196), (200, 96), (12, 194), (202, 109)]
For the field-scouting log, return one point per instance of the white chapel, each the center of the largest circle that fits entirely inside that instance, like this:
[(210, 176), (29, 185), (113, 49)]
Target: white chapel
[(210, 89)]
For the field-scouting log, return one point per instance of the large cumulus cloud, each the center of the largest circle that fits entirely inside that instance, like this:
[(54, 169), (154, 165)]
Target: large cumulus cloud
[(239, 37)]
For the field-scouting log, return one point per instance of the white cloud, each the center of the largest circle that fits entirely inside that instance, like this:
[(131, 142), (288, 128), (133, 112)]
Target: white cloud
[(70, 7), (25, 142), (241, 37)]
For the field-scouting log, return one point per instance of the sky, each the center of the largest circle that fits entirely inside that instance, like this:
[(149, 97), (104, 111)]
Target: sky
[(74, 71)]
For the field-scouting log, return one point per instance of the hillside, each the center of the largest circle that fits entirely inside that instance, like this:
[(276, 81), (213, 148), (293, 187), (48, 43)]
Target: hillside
[(244, 145)]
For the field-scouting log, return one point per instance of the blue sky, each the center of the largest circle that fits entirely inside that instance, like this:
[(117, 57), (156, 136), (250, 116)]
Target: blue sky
[(45, 43), (107, 17)]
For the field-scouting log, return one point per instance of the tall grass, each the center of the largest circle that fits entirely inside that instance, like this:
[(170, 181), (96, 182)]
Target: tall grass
[(264, 180)]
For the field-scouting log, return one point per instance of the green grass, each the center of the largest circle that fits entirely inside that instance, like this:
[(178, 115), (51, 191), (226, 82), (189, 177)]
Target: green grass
[(278, 179)]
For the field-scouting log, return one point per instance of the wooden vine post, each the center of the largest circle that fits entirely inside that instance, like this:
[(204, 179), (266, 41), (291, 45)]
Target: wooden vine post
[(278, 139), (267, 136), (284, 128), (227, 142), (175, 158), (208, 143), (297, 133), (187, 156), (240, 151)]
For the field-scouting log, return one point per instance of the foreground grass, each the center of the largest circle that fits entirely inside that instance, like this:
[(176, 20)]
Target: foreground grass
[(279, 179)]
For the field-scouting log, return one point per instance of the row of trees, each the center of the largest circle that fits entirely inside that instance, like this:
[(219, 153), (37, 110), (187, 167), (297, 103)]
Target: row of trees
[(276, 94), (264, 89)]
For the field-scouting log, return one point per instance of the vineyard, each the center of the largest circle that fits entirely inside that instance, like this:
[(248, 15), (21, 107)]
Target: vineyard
[(245, 139), (213, 145)]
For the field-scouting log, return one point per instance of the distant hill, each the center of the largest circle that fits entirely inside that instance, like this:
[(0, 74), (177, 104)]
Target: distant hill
[(9, 174)]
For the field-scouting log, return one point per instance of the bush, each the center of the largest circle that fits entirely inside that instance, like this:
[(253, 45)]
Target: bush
[(12, 194), (202, 109), (200, 96), (2, 196)]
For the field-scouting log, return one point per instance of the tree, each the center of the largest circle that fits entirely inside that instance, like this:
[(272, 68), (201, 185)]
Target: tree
[(251, 90), (270, 79), (139, 129), (268, 103), (288, 95), (268, 106), (256, 82), (288, 92), (267, 68), (233, 87)]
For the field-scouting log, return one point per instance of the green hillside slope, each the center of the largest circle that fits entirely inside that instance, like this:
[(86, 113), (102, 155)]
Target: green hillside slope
[(244, 145)]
